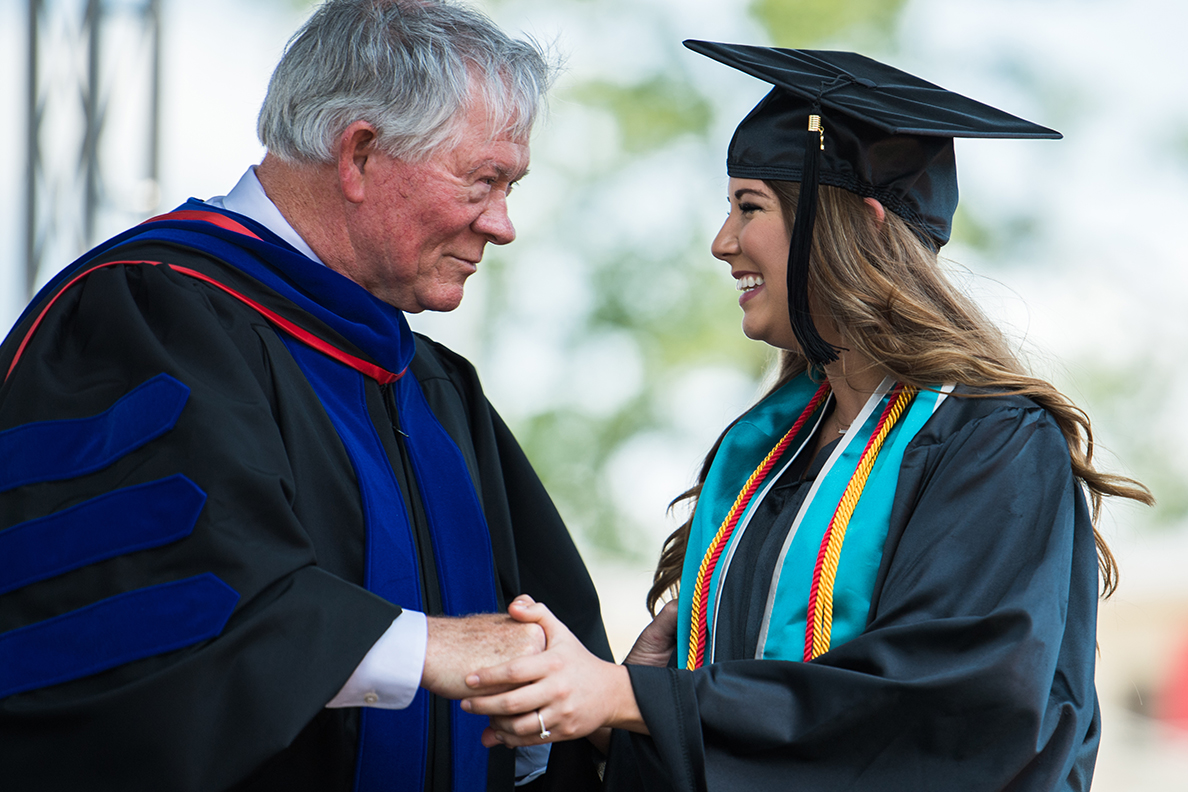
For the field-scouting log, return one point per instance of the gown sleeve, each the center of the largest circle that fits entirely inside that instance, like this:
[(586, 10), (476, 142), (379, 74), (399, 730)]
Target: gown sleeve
[(276, 525), (975, 671)]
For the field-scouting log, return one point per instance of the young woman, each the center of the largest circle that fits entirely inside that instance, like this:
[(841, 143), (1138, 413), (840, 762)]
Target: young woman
[(889, 579)]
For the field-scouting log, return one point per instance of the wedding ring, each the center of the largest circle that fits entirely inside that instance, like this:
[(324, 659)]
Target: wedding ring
[(544, 733)]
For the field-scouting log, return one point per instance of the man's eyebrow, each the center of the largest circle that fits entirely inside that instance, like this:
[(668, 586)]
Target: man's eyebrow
[(501, 172)]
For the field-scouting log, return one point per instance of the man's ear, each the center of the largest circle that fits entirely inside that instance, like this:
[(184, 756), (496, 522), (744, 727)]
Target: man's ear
[(356, 145), (876, 210)]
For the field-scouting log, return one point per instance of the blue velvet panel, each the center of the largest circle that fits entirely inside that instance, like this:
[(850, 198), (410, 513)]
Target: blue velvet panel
[(114, 631), (56, 450), (115, 523), (392, 743)]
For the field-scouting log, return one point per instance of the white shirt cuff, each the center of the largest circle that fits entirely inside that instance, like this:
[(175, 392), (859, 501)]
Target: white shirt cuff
[(531, 762), (390, 673)]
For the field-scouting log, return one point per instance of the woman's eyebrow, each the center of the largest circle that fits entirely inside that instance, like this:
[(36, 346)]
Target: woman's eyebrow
[(740, 192)]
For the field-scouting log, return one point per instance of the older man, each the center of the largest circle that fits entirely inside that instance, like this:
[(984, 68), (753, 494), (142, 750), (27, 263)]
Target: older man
[(244, 513)]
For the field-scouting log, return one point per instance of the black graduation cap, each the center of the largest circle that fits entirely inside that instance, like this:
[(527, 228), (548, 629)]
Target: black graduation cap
[(842, 119)]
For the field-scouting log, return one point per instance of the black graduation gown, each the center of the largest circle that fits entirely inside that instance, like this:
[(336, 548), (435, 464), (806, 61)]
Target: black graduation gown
[(282, 525), (974, 672)]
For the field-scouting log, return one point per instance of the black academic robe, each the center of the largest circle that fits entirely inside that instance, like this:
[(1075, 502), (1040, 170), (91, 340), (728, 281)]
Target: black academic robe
[(282, 525), (975, 669)]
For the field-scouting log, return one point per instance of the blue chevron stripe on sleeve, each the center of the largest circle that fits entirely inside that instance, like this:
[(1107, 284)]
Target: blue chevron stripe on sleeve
[(114, 631), (57, 450), (115, 523)]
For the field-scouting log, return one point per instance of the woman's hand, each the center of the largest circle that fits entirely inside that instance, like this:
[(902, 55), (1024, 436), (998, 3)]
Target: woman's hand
[(565, 688), (655, 644)]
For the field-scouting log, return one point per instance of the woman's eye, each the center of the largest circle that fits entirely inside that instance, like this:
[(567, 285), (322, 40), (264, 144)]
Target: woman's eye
[(747, 208)]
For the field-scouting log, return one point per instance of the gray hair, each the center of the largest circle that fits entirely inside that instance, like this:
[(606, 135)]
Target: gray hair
[(407, 67)]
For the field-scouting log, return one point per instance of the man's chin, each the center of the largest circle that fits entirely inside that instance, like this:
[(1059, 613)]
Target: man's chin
[(438, 303)]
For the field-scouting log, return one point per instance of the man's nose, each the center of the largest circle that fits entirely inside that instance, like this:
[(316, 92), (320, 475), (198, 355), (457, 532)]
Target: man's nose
[(494, 223)]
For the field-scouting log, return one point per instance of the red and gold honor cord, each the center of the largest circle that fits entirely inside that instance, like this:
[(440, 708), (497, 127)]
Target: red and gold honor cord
[(820, 607), (698, 631)]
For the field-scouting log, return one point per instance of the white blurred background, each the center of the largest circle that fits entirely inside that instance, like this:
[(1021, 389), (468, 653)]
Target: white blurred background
[(608, 336)]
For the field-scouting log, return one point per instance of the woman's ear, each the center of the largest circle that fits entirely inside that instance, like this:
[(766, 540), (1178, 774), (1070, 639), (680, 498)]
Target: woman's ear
[(876, 210)]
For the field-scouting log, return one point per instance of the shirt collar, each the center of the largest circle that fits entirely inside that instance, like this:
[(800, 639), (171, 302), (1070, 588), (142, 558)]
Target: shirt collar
[(248, 198)]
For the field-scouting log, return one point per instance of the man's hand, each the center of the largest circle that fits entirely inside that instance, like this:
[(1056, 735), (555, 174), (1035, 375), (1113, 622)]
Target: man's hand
[(458, 646)]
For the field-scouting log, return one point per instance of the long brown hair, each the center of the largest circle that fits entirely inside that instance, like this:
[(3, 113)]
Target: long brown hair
[(884, 289)]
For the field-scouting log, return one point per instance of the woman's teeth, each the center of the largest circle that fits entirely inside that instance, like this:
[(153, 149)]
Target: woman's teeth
[(748, 282)]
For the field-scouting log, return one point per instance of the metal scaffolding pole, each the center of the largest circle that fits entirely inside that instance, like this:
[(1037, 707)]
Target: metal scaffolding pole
[(33, 152), (92, 65), (93, 24)]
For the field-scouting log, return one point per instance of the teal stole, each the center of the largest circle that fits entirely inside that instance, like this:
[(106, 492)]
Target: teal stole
[(782, 634)]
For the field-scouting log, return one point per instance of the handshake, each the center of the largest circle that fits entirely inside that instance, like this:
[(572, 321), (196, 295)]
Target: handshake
[(535, 680)]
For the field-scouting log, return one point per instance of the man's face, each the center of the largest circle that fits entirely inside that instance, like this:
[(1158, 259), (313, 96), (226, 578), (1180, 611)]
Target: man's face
[(421, 231)]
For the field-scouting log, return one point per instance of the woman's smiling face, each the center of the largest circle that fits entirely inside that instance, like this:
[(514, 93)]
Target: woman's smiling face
[(754, 242)]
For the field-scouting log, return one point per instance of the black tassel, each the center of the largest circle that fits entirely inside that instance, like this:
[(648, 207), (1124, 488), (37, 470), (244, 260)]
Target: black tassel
[(815, 348)]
